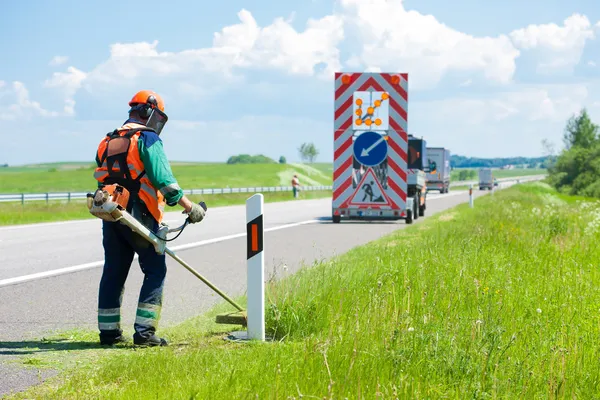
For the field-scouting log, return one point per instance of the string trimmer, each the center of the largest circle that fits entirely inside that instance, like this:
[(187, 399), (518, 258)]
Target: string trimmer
[(110, 204)]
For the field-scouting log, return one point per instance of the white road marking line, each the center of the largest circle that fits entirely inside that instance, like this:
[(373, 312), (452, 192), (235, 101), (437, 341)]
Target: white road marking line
[(215, 210), (42, 224), (82, 267)]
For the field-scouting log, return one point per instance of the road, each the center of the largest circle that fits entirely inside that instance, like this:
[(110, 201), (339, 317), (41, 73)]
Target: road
[(49, 273)]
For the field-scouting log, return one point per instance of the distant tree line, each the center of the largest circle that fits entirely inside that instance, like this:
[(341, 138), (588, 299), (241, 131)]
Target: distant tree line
[(576, 169), (464, 174), (475, 162), (248, 159), (257, 159), (308, 152)]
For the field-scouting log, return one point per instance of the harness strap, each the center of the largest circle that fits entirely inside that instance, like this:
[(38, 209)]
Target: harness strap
[(122, 175)]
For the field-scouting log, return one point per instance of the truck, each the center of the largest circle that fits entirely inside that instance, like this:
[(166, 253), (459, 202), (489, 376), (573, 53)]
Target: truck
[(486, 179), (438, 175), (370, 148), (417, 178)]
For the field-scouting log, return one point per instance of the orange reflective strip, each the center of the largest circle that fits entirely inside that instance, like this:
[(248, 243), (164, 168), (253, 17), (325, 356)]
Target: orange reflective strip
[(254, 228), (100, 174)]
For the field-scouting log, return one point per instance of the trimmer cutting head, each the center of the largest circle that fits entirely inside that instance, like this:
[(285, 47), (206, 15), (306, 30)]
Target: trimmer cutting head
[(235, 318)]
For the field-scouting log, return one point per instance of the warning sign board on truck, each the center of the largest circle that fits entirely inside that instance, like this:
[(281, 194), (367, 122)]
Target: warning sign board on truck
[(370, 145)]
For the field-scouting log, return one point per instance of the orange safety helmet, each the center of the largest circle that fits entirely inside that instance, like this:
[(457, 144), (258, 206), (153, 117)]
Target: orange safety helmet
[(148, 97), (151, 107)]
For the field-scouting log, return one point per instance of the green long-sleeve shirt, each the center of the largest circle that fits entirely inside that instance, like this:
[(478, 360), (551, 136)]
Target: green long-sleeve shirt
[(157, 167)]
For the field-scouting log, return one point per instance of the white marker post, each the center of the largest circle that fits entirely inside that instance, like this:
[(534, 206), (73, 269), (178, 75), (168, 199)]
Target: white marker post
[(471, 195), (256, 267)]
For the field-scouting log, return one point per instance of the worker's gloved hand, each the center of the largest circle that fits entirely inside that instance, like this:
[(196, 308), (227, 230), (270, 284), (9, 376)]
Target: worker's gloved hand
[(196, 214)]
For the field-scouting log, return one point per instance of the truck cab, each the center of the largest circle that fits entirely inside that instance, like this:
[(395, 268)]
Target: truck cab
[(416, 177)]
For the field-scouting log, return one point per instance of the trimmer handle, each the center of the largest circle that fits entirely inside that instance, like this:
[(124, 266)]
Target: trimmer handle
[(201, 204)]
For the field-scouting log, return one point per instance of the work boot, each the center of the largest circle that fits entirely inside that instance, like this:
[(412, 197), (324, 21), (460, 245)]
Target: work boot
[(112, 340), (149, 341)]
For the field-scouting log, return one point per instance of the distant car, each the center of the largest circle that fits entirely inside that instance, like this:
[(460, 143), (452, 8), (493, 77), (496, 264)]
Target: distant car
[(495, 182)]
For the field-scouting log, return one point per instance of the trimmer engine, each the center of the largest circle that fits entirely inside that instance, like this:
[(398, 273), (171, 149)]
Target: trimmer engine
[(106, 200)]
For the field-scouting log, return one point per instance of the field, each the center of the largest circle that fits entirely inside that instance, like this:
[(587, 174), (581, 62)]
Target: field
[(75, 177), (498, 301), (498, 173)]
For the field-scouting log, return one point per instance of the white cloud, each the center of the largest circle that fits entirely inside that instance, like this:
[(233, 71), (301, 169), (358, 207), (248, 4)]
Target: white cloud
[(383, 35), (21, 106), (280, 46), (69, 83), (58, 60), (510, 123), (558, 47), (554, 103), (396, 39), (277, 46), (390, 38)]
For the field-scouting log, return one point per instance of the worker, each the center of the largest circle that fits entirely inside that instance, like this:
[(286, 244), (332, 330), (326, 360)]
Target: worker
[(133, 156), (295, 185)]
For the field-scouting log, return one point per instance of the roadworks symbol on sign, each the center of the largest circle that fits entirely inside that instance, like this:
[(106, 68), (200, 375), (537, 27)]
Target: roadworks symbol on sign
[(369, 192)]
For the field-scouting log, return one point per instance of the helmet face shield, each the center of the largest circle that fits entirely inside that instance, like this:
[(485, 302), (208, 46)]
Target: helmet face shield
[(157, 120)]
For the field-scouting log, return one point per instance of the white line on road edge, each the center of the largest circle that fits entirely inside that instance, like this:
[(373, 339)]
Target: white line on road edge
[(95, 264), (256, 267)]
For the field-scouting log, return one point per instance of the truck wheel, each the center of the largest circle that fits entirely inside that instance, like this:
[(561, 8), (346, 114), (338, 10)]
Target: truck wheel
[(409, 216), (336, 219)]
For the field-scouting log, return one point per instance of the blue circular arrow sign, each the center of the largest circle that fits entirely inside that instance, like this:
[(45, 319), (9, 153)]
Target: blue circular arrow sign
[(370, 148)]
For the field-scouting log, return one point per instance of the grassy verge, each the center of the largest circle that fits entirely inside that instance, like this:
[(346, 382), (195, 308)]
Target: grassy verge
[(39, 211), (496, 301), (79, 178), (498, 173)]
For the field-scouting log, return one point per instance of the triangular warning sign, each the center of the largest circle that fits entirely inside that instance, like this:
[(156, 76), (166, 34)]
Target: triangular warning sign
[(369, 192)]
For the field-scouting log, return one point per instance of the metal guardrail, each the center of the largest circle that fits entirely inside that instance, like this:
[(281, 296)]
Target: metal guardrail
[(23, 197)]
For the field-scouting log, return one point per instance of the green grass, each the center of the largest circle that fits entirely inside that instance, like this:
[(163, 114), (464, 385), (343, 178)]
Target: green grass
[(512, 173), (13, 213), (498, 301), (74, 177), (500, 173)]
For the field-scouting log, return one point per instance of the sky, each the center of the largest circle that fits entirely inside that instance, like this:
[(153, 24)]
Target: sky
[(486, 78)]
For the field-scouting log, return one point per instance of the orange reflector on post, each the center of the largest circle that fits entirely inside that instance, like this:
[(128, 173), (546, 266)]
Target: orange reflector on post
[(254, 233), (254, 237), (346, 79)]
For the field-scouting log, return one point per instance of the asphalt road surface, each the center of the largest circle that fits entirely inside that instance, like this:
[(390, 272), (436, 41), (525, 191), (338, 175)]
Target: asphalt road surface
[(49, 273)]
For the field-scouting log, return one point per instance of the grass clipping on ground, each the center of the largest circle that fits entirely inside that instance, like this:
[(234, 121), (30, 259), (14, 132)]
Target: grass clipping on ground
[(501, 300)]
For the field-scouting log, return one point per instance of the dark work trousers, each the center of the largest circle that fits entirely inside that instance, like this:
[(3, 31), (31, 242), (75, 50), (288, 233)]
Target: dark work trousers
[(120, 245)]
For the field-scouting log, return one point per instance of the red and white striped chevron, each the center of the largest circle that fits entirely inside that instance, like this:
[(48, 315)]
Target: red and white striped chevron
[(396, 85)]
